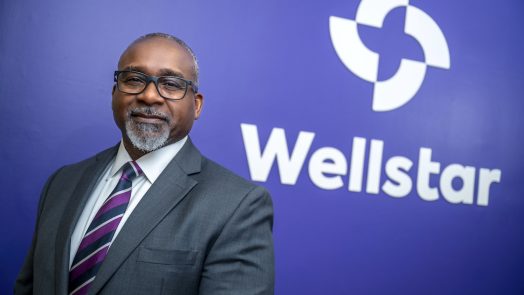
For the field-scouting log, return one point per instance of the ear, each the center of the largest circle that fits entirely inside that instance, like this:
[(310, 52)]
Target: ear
[(199, 103), (114, 89)]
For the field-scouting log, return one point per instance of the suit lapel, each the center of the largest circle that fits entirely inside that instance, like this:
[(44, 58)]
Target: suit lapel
[(71, 214), (167, 191)]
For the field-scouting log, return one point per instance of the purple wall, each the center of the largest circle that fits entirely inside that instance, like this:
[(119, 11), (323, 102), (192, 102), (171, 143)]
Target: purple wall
[(272, 64)]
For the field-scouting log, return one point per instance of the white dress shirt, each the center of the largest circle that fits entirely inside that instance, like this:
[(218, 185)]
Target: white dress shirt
[(152, 164)]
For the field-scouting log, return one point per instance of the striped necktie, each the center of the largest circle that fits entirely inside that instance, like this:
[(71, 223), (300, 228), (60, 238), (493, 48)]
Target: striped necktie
[(95, 244)]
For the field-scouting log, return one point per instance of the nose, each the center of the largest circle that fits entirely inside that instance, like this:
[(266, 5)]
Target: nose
[(150, 95)]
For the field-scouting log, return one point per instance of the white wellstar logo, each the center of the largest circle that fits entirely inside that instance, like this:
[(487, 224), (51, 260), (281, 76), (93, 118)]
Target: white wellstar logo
[(366, 169), (403, 85)]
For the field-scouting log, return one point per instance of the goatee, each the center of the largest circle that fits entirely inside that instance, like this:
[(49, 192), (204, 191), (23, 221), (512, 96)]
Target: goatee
[(147, 137)]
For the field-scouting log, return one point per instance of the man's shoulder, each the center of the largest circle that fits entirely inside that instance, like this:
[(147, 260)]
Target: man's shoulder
[(211, 175), (216, 173), (83, 164), (222, 192), (224, 187)]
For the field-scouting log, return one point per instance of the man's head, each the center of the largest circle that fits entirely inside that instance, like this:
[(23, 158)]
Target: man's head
[(147, 120)]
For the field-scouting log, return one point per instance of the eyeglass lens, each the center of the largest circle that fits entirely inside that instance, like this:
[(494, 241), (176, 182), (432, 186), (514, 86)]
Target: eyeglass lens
[(135, 83)]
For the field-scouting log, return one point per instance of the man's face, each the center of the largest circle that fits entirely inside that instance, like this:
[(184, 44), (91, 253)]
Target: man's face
[(147, 120)]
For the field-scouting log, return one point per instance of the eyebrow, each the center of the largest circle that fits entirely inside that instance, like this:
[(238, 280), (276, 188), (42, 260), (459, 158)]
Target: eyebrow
[(162, 72)]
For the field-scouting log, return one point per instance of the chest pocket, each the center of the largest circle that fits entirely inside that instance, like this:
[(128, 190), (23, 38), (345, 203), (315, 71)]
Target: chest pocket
[(167, 257)]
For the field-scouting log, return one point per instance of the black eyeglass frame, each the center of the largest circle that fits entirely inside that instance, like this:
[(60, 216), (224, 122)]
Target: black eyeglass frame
[(154, 79)]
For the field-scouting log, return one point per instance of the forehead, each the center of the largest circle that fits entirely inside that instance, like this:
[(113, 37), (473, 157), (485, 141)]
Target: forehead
[(156, 56)]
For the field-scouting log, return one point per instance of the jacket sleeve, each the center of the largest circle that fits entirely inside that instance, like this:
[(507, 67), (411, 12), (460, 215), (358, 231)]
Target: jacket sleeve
[(241, 261), (24, 281)]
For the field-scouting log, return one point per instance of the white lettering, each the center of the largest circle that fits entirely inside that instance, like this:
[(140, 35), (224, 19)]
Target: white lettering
[(396, 170), (356, 171), (374, 166), (465, 193), (319, 166), (425, 168), (486, 178), (328, 165), (276, 147)]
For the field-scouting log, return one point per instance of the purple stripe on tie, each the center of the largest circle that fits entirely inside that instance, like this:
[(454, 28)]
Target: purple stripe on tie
[(137, 168), (90, 262), (83, 290), (115, 194), (114, 202), (97, 234)]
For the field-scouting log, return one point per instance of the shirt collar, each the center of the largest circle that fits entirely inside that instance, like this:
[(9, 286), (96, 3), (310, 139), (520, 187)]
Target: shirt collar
[(152, 163)]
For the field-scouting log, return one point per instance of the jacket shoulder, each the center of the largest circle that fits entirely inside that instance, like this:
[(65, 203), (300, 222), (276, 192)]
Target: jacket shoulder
[(228, 180), (71, 173), (81, 165)]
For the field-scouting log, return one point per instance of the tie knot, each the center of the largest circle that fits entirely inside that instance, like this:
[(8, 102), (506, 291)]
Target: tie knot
[(131, 170)]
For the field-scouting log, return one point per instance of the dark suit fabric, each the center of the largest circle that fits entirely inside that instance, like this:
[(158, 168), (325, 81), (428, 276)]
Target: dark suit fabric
[(199, 229)]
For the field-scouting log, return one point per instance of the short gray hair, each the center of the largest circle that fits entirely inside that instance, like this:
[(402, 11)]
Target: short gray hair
[(179, 42)]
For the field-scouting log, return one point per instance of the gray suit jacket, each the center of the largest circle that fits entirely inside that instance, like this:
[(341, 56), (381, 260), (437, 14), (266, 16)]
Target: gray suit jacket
[(199, 229)]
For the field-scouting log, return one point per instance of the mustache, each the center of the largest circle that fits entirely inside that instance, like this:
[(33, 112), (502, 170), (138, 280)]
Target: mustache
[(148, 111)]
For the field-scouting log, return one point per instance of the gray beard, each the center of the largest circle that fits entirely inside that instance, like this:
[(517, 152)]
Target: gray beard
[(146, 137)]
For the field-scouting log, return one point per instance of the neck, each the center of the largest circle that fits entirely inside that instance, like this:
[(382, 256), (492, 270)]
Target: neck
[(133, 152)]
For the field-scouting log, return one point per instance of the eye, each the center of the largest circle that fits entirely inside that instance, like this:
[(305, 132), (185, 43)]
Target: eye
[(132, 79), (172, 84)]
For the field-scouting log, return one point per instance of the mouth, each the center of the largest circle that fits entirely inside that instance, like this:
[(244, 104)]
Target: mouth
[(151, 118)]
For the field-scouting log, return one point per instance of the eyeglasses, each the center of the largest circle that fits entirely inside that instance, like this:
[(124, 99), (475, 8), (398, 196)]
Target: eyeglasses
[(169, 87)]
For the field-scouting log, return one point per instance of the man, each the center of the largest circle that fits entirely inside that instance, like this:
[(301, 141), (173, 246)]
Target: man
[(151, 215)]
